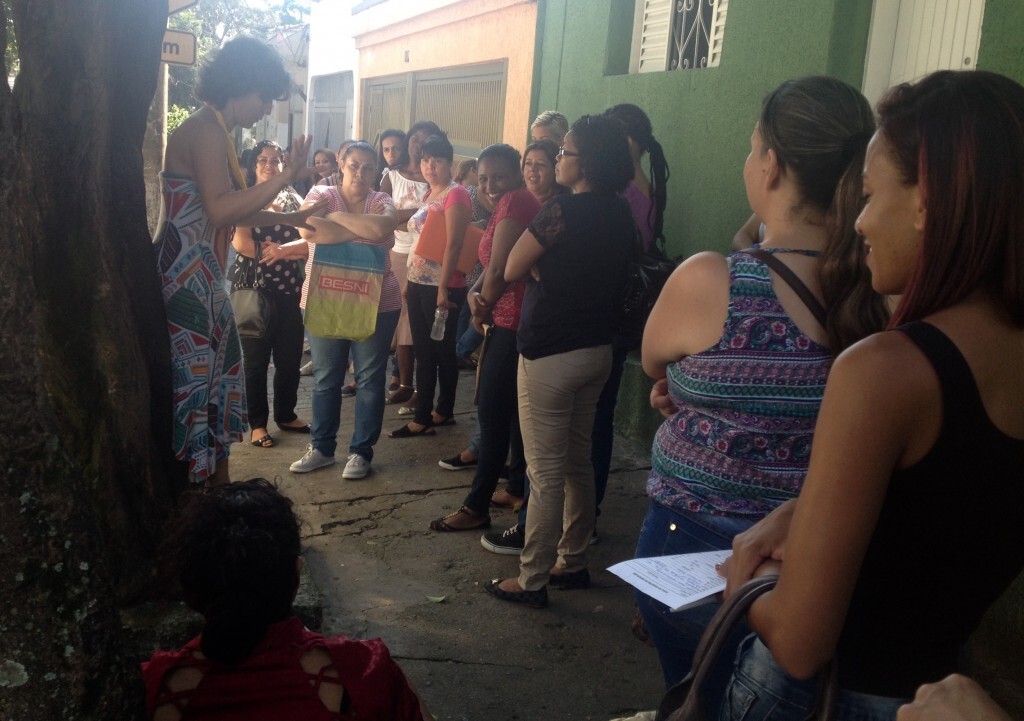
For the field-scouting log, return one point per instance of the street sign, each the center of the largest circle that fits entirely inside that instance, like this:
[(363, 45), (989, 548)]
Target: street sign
[(179, 48), (174, 6)]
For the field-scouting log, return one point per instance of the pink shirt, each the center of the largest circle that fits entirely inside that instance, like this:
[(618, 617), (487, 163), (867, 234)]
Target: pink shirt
[(521, 206), (390, 293)]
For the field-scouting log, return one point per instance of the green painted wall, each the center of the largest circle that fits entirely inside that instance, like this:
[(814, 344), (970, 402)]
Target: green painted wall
[(1002, 47), (703, 118)]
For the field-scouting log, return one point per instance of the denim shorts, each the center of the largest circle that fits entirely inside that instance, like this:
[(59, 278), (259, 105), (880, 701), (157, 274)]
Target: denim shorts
[(761, 691)]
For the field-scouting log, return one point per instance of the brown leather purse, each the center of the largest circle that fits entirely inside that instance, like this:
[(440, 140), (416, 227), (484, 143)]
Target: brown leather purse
[(683, 702)]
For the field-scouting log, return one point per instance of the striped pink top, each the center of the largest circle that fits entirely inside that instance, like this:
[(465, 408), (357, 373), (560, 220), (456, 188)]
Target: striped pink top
[(390, 293)]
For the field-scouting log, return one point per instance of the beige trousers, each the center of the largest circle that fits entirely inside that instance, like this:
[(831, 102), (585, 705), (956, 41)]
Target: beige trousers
[(557, 400)]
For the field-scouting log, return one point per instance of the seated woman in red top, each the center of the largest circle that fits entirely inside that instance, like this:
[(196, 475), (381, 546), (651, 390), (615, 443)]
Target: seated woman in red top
[(238, 563)]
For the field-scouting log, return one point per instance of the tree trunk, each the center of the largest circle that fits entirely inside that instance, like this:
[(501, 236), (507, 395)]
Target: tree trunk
[(87, 476)]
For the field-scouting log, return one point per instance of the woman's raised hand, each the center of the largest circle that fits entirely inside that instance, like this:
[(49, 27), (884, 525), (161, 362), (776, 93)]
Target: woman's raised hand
[(295, 159)]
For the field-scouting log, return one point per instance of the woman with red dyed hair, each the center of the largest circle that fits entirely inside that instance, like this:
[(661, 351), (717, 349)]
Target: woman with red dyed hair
[(915, 469)]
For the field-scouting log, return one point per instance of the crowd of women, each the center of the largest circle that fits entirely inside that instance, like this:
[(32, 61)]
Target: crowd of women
[(843, 400)]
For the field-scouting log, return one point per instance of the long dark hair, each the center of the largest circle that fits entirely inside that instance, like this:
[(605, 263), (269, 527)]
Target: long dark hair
[(638, 127), (603, 153), (234, 550), (819, 128), (389, 133), (960, 137)]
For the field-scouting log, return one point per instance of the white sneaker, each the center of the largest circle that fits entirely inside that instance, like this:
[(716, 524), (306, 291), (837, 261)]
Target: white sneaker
[(311, 461), (357, 467), (307, 369)]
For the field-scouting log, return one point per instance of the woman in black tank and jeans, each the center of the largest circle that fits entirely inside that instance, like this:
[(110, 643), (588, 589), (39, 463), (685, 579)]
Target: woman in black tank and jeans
[(920, 440)]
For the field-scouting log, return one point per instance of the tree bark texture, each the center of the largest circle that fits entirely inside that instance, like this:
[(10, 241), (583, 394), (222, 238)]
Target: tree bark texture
[(86, 477)]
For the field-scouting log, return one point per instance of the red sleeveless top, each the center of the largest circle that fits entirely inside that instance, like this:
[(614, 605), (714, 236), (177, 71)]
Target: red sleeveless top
[(271, 684)]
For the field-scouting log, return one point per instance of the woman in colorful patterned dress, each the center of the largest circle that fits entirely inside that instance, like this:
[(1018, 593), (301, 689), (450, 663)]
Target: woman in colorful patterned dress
[(736, 354), (204, 196)]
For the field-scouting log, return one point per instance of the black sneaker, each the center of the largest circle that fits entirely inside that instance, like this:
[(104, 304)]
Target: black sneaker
[(455, 463), (509, 542)]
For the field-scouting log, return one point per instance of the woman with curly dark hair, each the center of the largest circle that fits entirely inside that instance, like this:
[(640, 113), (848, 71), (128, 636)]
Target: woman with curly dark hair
[(236, 554), (576, 252), (205, 195)]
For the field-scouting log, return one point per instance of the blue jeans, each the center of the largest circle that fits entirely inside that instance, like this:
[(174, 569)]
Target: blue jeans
[(468, 337), (330, 361), (667, 532), (760, 690), (603, 433)]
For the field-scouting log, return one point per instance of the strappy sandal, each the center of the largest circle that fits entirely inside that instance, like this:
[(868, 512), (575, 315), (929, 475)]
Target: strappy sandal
[(533, 599), (441, 524), (266, 441), (407, 432)]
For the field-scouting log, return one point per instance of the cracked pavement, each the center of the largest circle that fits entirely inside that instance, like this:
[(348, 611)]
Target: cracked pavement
[(471, 657)]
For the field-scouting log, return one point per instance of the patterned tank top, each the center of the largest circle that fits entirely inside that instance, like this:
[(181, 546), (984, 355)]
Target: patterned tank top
[(740, 442)]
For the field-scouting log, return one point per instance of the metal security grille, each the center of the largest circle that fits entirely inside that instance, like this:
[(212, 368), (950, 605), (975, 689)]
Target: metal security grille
[(468, 103), (331, 105), (678, 34)]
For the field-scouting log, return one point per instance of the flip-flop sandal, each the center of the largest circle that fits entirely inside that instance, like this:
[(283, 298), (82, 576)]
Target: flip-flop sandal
[(406, 411), (441, 524), (293, 429), (263, 442), (406, 432)]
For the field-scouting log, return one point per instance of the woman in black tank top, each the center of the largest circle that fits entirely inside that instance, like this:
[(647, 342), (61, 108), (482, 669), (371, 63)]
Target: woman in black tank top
[(915, 470)]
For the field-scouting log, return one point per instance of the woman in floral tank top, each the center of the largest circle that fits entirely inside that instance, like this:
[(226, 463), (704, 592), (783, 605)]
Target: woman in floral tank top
[(740, 361)]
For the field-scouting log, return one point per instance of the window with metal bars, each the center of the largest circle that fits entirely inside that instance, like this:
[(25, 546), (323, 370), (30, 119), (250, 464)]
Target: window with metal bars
[(678, 34)]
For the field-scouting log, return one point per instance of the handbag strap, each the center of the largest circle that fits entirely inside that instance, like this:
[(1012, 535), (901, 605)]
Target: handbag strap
[(257, 274), (682, 702), (802, 291)]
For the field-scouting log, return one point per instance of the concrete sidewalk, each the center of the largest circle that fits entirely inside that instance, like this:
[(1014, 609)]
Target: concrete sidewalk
[(471, 657)]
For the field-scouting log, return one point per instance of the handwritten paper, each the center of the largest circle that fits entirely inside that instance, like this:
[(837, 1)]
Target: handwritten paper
[(677, 581)]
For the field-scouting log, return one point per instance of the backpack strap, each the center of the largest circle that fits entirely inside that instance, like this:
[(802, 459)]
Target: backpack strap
[(802, 291)]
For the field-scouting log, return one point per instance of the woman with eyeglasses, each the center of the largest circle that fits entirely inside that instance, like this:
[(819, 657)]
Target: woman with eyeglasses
[(576, 252), (205, 194), (280, 284)]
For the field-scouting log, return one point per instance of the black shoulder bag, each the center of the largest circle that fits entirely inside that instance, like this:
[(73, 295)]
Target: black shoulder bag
[(648, 272), (254, 309)]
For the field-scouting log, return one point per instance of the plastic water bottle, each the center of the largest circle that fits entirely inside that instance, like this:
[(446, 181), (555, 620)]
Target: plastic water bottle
[(440, 318)]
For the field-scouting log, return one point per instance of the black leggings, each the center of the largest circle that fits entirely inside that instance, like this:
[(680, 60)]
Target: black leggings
[(436, 364)]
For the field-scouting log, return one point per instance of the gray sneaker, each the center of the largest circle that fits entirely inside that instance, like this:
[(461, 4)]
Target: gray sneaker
[(357, 467), (311, 461)]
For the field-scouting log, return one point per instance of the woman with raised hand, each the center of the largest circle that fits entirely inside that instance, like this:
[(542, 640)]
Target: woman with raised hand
[(407, 186), (436, 288), (741, 356), (921, 432), (204, 196), (237, 555), (576, 252), (499, 304), (280, 285), (355, 214)]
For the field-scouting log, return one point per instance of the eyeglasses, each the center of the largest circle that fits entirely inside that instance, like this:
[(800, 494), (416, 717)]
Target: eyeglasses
[(268, 161), (562, 152)]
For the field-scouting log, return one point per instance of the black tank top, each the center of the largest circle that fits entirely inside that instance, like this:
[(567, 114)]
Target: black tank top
[(949, 540)]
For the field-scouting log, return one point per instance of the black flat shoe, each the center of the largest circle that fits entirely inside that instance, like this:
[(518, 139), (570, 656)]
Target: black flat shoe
[(533, 599), (294, 429), (407, 432), (570, 581)]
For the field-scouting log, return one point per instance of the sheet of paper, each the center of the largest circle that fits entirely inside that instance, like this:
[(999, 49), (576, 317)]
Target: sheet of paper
[(676, 581)]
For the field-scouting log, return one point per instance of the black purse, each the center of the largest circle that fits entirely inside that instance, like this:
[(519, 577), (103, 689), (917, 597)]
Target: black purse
[(254, 309), (648, 272), (683, 701)]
